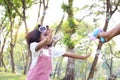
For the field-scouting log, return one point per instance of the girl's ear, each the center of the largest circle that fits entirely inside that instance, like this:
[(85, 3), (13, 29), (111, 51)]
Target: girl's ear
[(39, 25)]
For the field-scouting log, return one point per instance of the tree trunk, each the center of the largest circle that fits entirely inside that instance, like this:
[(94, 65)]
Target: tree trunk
[(1, 51), (70, 69), (59, 68), (11, 50), (71, 64), (12, 58), (28, 56), (2, 46), (0, 38), (28, 59), (5, 69), (40, 2), (45, 7), (24, 15), (13, 43), (115, 75)]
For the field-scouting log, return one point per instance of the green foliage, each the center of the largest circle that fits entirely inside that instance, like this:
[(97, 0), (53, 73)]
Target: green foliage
[(1, 69), (20, 51), (68, 41), (64, 7), (83, 29), (68, 29), (15, 7), (2, 3), (67, 8), (71, 23)]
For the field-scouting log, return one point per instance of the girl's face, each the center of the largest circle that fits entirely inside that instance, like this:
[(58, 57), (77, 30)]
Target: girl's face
[(45, 34)]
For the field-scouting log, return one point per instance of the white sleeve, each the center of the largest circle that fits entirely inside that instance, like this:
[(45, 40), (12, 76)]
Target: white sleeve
[(57, 51), (32, 48)]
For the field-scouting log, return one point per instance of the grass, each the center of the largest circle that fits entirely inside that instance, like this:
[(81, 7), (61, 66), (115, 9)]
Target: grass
[(11, 76)]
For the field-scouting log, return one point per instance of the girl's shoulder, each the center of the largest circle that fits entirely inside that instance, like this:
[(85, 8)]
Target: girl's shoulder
[(33, 43)]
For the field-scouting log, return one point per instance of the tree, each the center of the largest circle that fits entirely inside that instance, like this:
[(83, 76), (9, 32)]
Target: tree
[(12, 13), (71, 29)]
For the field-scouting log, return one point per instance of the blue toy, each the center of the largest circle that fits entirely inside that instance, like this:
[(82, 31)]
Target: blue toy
[(94, 34)]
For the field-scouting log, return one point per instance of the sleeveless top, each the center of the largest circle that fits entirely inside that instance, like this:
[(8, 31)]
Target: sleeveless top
[(42, 69)]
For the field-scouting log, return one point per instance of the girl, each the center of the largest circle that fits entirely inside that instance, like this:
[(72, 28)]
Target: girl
[(39, 41)]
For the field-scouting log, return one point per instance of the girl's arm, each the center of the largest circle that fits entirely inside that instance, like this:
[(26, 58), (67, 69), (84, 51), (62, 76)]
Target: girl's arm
[(45, 41), (41, 44), (76, 56)]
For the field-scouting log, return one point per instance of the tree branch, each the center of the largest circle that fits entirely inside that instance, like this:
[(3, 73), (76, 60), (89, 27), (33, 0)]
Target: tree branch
[(15, 8), (39, 11), (116, 7)]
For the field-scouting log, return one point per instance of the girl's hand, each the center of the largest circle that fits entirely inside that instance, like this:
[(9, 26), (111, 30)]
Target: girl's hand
[(88, 55), (49, 37)]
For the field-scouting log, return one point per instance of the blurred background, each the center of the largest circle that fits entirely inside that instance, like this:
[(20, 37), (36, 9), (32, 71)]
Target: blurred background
[(72, 21)]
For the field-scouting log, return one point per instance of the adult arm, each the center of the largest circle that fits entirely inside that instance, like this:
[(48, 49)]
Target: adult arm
[(110, 34), (115, 31)]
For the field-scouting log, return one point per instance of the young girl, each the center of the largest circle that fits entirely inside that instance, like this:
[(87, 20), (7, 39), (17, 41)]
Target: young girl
[(38, 41)]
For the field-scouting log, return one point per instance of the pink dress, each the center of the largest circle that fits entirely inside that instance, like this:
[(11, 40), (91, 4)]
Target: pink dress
[(42, 69)]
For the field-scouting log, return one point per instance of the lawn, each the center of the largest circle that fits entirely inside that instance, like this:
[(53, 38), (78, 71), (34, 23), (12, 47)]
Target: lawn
[(10, 76)]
